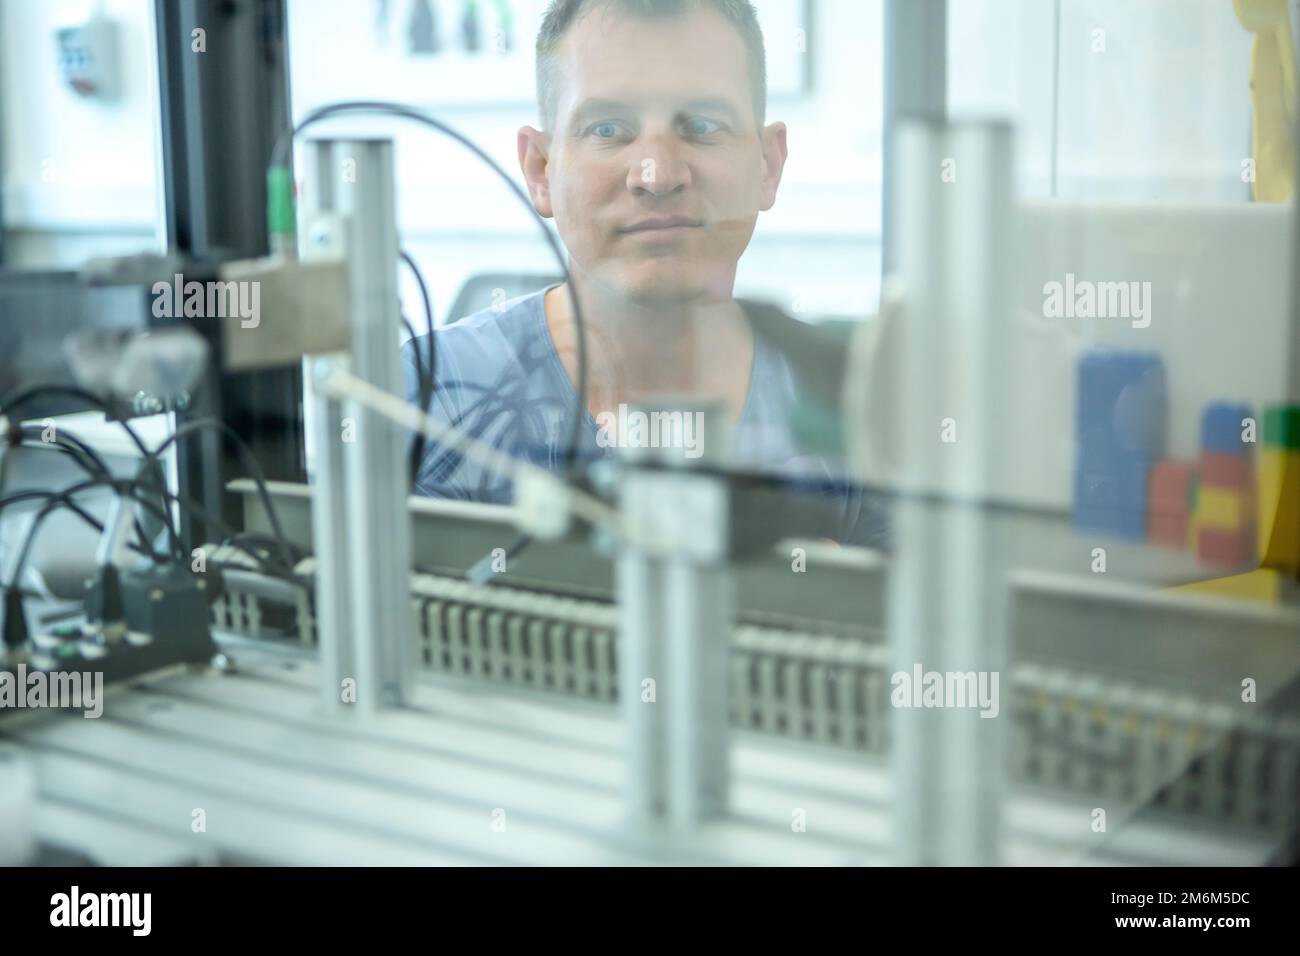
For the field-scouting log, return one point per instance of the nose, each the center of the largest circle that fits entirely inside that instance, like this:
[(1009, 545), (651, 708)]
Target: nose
[(659, 168)]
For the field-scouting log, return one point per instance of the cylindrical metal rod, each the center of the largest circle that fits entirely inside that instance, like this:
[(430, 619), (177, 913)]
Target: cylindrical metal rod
[(374, 564), (677, 610), (946, 608), (915, 85)]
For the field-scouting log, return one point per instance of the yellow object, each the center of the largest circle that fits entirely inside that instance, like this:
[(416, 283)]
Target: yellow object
[(1220, 509), (1262, 585), (1279, 509), (1272, 95)]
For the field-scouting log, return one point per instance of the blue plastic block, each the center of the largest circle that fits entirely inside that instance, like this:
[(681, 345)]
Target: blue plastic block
[(1122, 405), (1221, 427), (1113, 500)]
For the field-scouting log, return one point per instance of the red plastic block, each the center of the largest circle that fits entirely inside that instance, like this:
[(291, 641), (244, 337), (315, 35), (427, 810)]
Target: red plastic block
[(1167, 530), (1223, 470), (1171, 483), (1225, 547)]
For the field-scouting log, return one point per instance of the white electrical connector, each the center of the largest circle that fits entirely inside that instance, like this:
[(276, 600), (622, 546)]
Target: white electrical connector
[(542, 505)]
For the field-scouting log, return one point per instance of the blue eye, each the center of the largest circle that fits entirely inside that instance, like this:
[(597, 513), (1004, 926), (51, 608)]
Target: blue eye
[(605, 130), (699, 126)]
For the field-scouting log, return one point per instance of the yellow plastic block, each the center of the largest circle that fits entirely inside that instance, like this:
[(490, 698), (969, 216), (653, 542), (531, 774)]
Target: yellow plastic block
[(1220, 508), (1273, 95), (1278, 509), (1262, 585)]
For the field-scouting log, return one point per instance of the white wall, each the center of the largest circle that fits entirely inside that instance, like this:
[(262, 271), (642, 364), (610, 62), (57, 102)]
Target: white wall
[(80, 177), (1162, 114), (1154, 96), (818, 250)]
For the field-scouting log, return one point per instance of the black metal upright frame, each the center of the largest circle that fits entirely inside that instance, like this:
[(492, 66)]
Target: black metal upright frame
[(222, 108)]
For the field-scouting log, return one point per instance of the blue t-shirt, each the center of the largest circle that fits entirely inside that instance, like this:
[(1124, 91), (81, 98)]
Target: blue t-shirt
[(500, 379)]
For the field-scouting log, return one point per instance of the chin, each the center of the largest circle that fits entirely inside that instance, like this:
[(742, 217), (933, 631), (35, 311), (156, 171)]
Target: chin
[(662, 282)]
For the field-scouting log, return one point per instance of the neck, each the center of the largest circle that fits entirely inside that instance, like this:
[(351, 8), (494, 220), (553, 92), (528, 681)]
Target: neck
[(636, 350)]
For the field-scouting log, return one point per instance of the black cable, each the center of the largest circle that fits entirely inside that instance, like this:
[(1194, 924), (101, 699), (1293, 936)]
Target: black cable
[(232, 539), (99, 468), (33, 493), (429, 367), (84, 455), (89, 460), (269, 565), (425, 389), (147, 550), (188, 504), (427, 301), (119, 485), (250, 464), (246, 540), (231, 536), (501, 396), (421, 373), (286, 579), (22, 396), (280, 154), (246, 455)]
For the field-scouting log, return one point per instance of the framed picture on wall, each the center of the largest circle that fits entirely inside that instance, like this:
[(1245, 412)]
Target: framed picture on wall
[(473, 53)]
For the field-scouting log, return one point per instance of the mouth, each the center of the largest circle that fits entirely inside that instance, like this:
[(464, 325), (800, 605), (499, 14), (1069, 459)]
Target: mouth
[(662, 227)]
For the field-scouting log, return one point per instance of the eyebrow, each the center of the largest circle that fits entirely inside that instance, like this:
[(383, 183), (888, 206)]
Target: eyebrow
[(714, 104), (597, 106), (587, 108)]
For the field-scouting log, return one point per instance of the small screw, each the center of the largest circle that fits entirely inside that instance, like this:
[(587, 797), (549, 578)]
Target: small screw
[(604, 476), (604, 542)]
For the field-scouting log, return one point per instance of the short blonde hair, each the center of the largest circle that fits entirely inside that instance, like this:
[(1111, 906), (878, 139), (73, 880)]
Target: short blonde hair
[(561, 14)]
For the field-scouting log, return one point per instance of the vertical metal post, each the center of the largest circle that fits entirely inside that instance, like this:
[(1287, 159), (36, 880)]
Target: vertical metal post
[(360, 519), (677, 607), (699, 606), (641, 663), (947, 586), (915, 85), (333, 610)]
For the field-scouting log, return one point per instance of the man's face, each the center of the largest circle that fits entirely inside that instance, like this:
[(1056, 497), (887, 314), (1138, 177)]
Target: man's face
[(654, 168)]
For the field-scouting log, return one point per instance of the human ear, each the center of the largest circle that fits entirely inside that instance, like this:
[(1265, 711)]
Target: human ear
[(534, 162), (774, 156)]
